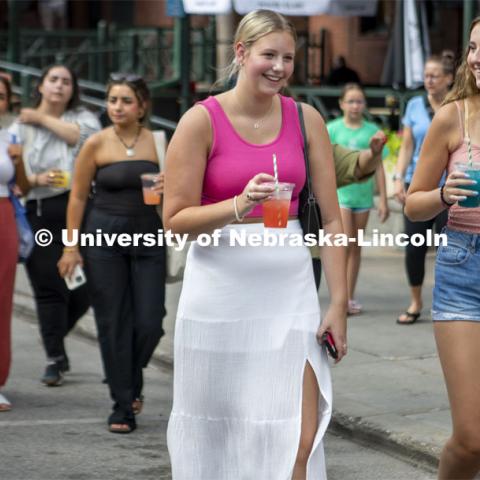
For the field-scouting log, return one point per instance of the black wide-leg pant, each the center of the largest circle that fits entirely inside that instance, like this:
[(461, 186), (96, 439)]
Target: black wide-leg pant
[(127, 288), (58, 309)]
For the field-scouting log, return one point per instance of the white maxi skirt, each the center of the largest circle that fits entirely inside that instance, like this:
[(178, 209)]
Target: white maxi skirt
[(245, 329)]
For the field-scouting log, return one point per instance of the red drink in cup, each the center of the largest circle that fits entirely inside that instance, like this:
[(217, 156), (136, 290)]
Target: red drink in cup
[(276, 208), (150, 197)]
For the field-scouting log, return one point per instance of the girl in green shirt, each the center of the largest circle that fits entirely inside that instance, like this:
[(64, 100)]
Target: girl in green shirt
[(353, 131)]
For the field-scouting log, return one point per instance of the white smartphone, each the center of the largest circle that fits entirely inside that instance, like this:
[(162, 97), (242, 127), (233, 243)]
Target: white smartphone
[(77, 279)]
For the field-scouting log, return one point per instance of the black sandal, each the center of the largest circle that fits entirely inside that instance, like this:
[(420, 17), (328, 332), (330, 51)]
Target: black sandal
[(411, 318), (121, 422)]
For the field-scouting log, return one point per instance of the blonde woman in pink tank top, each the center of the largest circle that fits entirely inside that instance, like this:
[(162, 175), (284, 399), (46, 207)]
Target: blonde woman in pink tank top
[(454, 139), (252, 391)]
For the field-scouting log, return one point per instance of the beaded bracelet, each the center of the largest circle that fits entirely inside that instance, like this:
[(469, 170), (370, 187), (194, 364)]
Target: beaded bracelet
[(442, 198), (237, 216)]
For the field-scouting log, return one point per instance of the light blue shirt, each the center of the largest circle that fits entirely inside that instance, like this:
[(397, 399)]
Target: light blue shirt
[(417, 119)]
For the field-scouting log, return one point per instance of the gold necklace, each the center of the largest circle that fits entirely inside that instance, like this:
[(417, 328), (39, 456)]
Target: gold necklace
[(129, 149), (258, 123)]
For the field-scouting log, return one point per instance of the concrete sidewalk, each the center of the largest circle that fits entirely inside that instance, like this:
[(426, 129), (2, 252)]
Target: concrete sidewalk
[(389, 389)]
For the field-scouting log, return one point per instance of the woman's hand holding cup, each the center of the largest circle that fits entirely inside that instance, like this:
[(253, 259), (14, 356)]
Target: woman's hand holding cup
[(159, 184), (256, 191), (455, 189)]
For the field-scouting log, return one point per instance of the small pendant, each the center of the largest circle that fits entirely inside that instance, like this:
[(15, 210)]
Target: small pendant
[(130, 152), (256, 125)]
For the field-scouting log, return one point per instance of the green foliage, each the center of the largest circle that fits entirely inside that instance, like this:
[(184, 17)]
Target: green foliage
[(394, 140)]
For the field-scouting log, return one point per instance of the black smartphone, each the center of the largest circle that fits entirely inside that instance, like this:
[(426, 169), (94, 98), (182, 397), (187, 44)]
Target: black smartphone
[(329, 343)]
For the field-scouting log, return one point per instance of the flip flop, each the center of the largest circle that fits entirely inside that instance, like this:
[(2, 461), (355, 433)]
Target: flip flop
[(5, 405), (411, 318)]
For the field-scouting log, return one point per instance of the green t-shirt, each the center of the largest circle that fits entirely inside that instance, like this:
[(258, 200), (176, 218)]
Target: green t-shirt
[(357, 195)]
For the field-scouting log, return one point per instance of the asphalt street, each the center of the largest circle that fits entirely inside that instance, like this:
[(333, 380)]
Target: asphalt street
[(60, 433)]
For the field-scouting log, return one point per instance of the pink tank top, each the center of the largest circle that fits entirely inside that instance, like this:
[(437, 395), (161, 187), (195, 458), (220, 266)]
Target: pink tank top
[(233, 161), (460, 218)]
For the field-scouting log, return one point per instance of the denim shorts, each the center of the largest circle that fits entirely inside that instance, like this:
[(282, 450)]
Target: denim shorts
[(456, 295)]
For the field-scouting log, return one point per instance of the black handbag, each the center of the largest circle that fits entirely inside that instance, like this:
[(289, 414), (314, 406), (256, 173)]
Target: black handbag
[(308, 210)]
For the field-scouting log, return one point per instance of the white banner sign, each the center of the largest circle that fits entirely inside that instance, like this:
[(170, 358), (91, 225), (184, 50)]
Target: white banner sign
[(353, 8), (413, 46), (286, 7), (207, 7)]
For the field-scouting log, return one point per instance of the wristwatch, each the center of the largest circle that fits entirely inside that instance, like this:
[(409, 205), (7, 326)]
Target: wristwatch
[(397, 176)]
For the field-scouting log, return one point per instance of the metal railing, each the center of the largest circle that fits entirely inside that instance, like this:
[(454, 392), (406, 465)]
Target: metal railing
[(92, 95), (151, 52), (385, 105)]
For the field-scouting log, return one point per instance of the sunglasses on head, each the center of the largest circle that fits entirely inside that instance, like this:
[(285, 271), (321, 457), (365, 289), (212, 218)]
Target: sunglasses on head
[(125, 77)]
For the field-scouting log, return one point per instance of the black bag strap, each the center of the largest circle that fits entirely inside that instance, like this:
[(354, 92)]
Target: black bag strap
[(428, 107), (311, 197)]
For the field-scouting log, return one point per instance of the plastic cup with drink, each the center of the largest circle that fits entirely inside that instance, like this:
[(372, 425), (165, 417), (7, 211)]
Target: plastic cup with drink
[(59, 178), (150, 196), (276, 208), (473, 171)]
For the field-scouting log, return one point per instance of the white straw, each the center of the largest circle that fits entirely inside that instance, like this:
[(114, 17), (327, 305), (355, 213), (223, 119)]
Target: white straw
[(275, 171)]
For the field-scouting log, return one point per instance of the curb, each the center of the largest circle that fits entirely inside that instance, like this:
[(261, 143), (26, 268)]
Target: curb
[(404, 448), (27, 313)]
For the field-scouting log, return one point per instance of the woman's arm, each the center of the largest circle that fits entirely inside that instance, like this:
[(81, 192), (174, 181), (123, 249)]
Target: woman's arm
[(333, 257), (67, 131), (404, 159), (84, 173), (21, 176), (383, 211), (15, 152), (423, 199), (371, 158), (185, 168)]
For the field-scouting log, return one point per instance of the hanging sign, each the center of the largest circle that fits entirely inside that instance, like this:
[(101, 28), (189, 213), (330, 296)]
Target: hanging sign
[(286, 7), (353, 8), (208, 7)]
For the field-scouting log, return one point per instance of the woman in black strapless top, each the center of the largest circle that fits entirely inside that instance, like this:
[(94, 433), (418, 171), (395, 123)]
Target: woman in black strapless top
[(126, 280)]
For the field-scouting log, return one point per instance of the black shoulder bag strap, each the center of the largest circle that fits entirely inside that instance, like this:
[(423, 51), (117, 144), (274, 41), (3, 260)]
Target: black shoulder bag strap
[(428, 107), (312, 221), (305, 153)]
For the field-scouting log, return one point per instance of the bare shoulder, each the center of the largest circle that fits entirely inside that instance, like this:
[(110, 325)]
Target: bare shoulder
[(446, 123), (95, 140), (195, 121), (311, 114), (448, 114)]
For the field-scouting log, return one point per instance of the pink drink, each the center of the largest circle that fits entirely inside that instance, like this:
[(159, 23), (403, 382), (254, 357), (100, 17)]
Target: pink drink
[(150, 197), (276, 208)]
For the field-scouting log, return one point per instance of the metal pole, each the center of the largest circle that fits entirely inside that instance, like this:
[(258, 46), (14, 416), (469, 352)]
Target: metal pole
[(185, 63), (102, 39), (13, 48), (467, 19)]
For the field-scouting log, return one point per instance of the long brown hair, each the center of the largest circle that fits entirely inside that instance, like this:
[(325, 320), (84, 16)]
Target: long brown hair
[(6, 83), (465, 85), (74, 101)]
